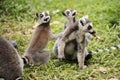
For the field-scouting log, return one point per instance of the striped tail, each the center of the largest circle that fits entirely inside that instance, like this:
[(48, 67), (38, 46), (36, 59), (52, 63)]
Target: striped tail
[(19, 78), (105, 49), (25, 60)]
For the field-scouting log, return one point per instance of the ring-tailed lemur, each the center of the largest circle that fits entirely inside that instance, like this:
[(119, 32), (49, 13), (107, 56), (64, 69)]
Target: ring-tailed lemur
[(77, 41), (70, 15), (11, 64), (70, 26), (35, 52), (81, 39)]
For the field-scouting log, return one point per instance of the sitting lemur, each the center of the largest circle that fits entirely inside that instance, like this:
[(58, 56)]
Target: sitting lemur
[(67, 45)]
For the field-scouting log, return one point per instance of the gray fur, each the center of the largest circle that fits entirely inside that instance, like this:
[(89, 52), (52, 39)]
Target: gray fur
[(70, 26), (80, 37), (11, 64)]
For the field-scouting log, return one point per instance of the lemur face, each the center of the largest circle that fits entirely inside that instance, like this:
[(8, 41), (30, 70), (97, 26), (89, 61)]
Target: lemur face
[(85, 25), (69, 13), (44, 17)]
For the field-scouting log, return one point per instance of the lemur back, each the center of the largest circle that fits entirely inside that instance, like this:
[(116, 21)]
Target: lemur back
[(40, 37), (35, 52), (11, 64)]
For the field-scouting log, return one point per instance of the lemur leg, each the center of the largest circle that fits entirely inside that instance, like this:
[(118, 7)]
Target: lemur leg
[(81, 56), (40, 57), (55, 48), (86, 52), (61, 47), (87, 39)]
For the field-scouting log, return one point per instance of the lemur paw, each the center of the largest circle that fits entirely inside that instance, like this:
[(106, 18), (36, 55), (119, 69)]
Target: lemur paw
[(61, 58), (82, 67)]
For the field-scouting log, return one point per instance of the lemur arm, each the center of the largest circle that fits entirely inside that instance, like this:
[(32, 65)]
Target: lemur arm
[(55, 36), (68, 31)]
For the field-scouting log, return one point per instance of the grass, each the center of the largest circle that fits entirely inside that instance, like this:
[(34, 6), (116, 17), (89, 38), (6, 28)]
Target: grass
[(17, 18)]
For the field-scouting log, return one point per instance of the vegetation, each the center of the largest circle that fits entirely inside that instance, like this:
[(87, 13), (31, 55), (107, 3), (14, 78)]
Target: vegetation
[(17, 18)]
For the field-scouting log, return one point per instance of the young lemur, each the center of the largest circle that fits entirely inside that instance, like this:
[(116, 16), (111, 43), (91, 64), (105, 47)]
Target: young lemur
[(70, 26), (35, 52), (11, 64)]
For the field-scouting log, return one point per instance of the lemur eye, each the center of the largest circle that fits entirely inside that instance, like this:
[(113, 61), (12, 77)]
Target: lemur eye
[(41, 15), (89, 27), (74, 14), (81, 23)]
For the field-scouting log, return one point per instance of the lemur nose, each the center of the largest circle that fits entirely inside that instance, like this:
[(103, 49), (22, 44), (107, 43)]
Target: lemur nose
[(92, 32), (46, 19)]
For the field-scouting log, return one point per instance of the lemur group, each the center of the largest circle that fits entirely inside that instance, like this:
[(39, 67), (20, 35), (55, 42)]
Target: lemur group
[(71, 44)]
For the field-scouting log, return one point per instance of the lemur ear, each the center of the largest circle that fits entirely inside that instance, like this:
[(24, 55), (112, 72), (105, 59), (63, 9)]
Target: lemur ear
[(74, 11), (63, 13), (37, 15), (47, 12), (86, 16)]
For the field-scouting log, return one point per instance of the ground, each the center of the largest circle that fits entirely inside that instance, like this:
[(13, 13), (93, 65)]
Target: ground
[(17, 18)]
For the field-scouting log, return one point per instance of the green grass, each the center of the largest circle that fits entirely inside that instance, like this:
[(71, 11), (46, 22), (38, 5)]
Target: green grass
[(17, 18)]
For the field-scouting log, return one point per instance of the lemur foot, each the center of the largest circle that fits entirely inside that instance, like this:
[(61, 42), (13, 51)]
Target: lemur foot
[(61, 58), (82, 67)]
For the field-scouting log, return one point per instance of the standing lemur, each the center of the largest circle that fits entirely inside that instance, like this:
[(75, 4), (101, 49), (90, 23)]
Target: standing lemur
[(11, 64), (35, 52), (68, 47)]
